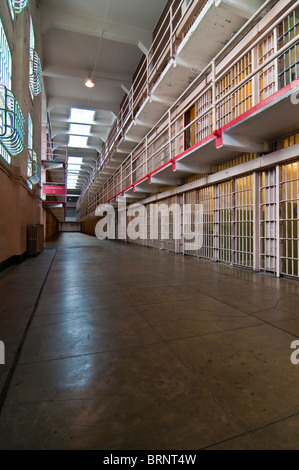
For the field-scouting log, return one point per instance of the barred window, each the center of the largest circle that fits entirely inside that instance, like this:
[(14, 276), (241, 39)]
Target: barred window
[(11, 8), (35, 69), (16, 6), (289, 61), (5, 79)]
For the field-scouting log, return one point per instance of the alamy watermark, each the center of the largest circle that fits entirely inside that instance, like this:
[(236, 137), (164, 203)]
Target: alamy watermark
[(156, 221), (295, 355), (295, 97), (2, 353)]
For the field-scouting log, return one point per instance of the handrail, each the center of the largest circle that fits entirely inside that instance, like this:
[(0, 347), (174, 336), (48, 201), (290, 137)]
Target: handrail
[(216, 101), (149, 81)]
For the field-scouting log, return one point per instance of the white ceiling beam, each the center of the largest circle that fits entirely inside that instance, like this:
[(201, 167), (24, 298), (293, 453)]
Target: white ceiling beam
[(60, 120), (114, 79), (243, 8), (56, 101), (63, 127), (125, 89), (244, 143), (195, 169), (142, 47), (98, 135), (59, 19)]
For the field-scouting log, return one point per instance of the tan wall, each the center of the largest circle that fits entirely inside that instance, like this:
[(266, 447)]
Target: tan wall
[(20, 205), (69, 227), (88, 226), (51, 225), (19, 208)]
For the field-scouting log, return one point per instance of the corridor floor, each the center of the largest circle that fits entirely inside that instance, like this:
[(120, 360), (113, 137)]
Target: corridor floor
[(128, 347)]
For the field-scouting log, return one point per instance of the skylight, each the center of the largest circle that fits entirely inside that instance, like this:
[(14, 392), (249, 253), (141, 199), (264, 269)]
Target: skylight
[(71, 167), (82, 116), (73, 170), (81, 121), (80, 129), (77, 141), (75, 160)]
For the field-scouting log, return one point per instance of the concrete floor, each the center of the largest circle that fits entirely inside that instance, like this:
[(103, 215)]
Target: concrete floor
[(133, 348)]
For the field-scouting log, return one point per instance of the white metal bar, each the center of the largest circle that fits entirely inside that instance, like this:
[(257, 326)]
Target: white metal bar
[(256, 221), (277, 218)]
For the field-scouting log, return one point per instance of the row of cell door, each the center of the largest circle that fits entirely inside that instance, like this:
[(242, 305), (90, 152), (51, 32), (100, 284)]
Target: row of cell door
[(279, 220), (249, 221)]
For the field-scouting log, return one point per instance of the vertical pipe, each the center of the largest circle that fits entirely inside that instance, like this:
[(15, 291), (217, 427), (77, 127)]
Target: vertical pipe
[(233, 221), (216, 223), (256, 221), (277, 218), (169, 135), (170, 31), (276, 68), (214, 110)]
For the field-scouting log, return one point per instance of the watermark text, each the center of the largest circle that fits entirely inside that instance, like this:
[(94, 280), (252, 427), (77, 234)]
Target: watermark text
[(156, 221), (295, 355), (295, 98), (2, 353)]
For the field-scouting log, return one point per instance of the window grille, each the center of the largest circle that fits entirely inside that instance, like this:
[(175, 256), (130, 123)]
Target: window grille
[(33, 168), (16, 6), (35, 68), (289, 219), (11, 123), (289, 61), (11, 118)]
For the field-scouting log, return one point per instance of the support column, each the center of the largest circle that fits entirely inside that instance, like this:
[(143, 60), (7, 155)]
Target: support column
[(216, 224), (256, 221), (277, 218)]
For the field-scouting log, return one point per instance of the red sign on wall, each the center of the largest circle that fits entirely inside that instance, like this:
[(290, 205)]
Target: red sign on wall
[(54, 189)]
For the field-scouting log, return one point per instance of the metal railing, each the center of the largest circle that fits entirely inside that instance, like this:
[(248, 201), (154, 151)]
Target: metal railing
[(166, 41), (223, 93)]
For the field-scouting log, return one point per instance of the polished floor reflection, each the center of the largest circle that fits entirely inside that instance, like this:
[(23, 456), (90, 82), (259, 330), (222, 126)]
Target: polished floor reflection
[(122, 347)]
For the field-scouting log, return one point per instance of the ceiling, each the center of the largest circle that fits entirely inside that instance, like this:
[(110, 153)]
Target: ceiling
[(103, 39)]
